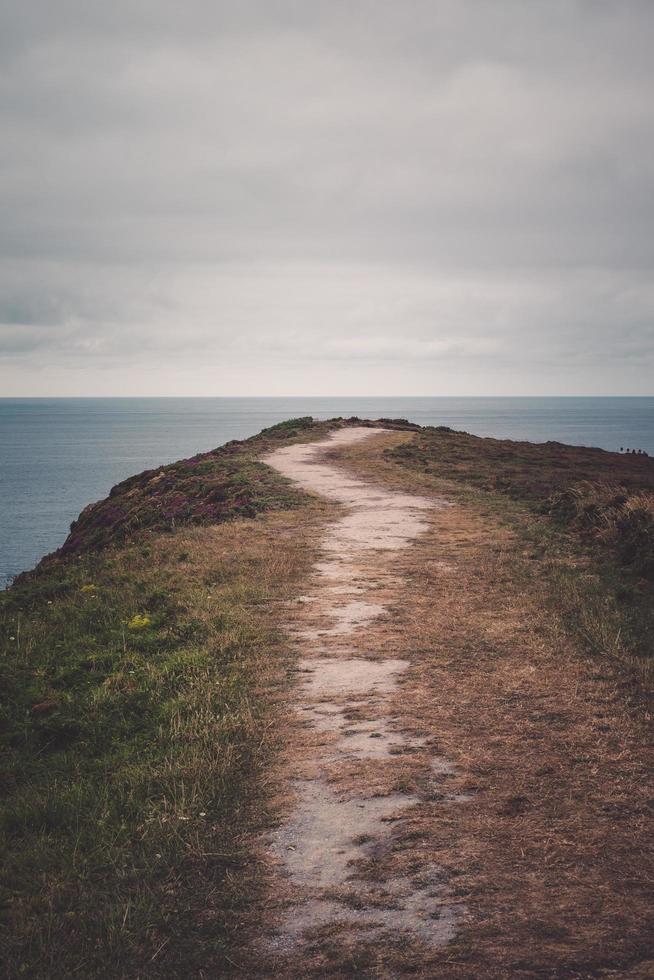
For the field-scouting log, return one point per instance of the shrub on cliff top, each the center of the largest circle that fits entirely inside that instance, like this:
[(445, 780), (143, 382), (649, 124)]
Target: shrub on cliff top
[(622, 520), (209, 488)]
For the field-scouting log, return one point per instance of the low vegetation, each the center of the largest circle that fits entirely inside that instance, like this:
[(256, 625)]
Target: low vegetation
[(587, 517), (226, 483), (612, 516), (522, 470), (131, 723), (134, 736), (209, 488)]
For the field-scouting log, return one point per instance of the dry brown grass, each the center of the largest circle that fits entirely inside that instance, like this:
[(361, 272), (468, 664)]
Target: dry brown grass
[(621, 520), (551, 859), (553, 856)]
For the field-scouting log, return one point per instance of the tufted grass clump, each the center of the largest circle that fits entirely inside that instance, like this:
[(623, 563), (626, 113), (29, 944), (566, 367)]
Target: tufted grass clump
[(620, 519)]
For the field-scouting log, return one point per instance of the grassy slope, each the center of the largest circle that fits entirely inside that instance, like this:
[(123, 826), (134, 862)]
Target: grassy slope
[(209, 488), (587, 517), (226, 483), (134, 734), (131, 726)]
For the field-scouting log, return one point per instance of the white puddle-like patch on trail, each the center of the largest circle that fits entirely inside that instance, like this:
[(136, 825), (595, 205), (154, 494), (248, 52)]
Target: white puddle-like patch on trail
[(328, 848)]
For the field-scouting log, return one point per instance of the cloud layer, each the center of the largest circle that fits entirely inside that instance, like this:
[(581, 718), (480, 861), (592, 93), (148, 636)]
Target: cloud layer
[(443, 197)]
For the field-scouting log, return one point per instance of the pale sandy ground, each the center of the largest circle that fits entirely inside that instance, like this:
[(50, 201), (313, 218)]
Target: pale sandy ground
[(347, 806)]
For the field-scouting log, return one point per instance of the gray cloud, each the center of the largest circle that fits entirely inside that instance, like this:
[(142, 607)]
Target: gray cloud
[(298, 197)]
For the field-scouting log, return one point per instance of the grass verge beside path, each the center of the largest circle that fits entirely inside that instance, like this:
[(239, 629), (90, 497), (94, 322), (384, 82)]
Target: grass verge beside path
[(544, 831), (133, 727), (585, 519), (134, 737)]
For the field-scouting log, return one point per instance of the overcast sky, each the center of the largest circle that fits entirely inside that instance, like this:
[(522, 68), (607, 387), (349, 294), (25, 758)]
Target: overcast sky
[(418, 197)]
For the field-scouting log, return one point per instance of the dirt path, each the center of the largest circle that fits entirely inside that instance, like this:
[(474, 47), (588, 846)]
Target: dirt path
[(337, 852)]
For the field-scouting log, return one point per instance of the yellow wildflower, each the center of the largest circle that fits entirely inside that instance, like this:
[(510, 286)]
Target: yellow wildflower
[(138, 622)]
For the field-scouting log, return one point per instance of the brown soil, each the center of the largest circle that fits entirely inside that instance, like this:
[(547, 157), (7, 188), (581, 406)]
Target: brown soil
[(462, 793)]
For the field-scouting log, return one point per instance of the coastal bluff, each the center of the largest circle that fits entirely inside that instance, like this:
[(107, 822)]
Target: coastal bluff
[(349, 697)]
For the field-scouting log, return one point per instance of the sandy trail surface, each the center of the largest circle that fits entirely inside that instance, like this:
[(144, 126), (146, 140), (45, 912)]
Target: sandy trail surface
[(346, 866)]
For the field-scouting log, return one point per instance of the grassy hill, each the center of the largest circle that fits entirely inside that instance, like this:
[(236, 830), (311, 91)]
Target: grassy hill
[(135, 732)]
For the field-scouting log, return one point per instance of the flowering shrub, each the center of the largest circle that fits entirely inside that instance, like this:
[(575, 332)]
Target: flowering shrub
[(208, 488)]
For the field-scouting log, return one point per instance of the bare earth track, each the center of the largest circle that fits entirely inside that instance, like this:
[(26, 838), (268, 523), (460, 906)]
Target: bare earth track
[(444, 737), (348, 800)]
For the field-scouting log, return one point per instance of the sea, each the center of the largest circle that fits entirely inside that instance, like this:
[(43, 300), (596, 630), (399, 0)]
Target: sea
[(57, 455)]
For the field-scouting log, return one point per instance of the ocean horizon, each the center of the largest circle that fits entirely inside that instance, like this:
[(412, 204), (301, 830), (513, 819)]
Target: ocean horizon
[(60, 454)]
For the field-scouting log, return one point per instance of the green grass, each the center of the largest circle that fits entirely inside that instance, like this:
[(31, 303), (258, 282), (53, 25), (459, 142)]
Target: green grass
[(521, 470), (132, 738), (132, 730)]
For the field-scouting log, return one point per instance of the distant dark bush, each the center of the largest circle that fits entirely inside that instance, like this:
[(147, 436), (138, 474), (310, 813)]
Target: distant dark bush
[(289, 428)]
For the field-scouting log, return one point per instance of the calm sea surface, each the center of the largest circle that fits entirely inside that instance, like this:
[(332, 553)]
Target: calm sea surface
[(57, 455)]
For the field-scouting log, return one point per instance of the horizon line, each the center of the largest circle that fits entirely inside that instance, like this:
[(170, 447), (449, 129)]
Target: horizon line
[(288, 397)]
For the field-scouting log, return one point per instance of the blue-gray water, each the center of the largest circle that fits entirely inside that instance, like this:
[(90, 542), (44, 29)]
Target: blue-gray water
[(57, 455)]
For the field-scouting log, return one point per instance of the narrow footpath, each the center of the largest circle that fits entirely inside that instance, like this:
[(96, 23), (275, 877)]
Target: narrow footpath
[(345, 865)]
